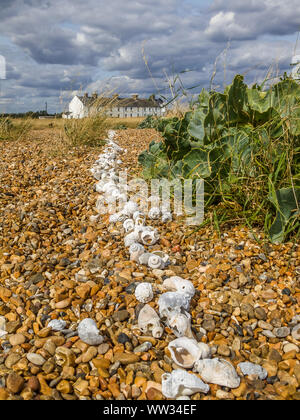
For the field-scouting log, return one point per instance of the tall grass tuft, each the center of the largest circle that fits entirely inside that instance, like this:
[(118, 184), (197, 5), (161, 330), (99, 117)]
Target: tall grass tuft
[(91, 130)]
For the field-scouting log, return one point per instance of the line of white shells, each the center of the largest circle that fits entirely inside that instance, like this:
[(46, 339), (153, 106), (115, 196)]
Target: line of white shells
[(173, 305)]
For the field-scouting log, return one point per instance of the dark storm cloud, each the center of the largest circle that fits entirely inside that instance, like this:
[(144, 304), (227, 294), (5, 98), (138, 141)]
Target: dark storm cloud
[(63, 45)]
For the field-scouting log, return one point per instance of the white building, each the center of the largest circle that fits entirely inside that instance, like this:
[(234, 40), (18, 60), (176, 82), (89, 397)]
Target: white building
[(117, 107)]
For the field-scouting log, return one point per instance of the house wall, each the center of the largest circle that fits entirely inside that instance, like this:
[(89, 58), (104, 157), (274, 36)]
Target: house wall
[(77, 108), (127, 112)]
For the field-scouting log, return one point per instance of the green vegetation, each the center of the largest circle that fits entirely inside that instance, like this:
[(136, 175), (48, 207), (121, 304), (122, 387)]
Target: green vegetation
[(149, 122), (245, 144)]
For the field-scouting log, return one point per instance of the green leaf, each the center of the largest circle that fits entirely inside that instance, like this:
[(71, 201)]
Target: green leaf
[(287, 202)]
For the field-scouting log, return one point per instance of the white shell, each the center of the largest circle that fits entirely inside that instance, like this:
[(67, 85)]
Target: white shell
[(108, 186), (57, 324), (113, 218), (186, 351), (99, 186), (128, 225), (181, 383), (179, 285), (94, 219), (131, 238), (139, 222), (154, 213), (110, 198), (180, 323), (173, 302), (89, 333), (136, 250), (218, 371), (148, 321), (155, 262), (138, 214), (117, 217), (144, 292), (149, 237), (115, 192), (144, 258), (130, 208), (99, 203), (96, 173), (162, 255), (166, 217)]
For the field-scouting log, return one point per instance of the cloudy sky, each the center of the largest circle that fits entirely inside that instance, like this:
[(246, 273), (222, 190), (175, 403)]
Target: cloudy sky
[(54, 48)]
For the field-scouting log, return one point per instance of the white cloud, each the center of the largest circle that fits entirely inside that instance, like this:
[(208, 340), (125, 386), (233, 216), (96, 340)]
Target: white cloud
[(223, 25)]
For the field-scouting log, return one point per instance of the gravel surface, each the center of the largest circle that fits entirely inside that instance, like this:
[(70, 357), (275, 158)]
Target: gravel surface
[(56, 264)]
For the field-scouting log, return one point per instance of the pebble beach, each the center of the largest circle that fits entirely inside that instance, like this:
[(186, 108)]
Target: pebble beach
[(58, 263)]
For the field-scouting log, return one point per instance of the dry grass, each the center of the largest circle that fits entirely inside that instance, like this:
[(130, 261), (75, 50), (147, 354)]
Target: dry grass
[(12, 130), (58, 123)]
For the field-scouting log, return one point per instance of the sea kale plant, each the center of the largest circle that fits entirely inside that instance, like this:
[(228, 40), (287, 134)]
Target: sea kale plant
[(245, 144)]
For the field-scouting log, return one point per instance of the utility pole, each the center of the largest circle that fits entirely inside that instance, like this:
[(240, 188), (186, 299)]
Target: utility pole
[(46, 108)]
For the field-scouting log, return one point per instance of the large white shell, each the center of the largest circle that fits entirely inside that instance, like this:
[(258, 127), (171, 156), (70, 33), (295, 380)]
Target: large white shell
[(179, 285), (186, 351), (149, 322), (149, 237), (218, 371), (181, 383), (136, 250), (89, 333), (173, 302), (180, 323), (154, 213), (144, 292)]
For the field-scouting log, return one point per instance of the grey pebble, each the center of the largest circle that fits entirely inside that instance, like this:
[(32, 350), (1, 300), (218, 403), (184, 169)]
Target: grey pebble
[(268, 333), (248, 368), (282, 332), (143, 347)]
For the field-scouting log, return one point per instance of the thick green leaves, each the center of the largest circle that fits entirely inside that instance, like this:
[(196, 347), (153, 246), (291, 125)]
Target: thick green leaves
[(244, 134), (287, 204)]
